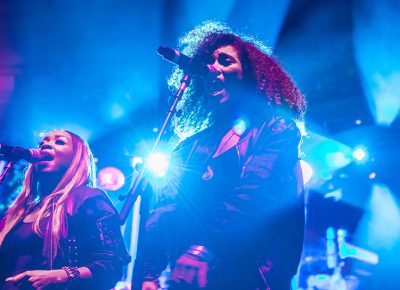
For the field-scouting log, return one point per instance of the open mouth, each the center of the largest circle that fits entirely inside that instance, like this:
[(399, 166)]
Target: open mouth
[(215, 88), (46, 156)]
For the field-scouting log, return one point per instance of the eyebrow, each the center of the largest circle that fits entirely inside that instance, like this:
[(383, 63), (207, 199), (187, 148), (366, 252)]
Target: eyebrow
[(56, 136), (224, 54)]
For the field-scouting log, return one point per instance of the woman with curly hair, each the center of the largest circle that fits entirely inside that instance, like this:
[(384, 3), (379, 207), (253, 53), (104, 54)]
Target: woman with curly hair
[(60, 232), (234, 218)]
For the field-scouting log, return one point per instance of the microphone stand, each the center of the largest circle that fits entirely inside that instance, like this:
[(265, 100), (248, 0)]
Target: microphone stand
[(6, 170), (139, 187)]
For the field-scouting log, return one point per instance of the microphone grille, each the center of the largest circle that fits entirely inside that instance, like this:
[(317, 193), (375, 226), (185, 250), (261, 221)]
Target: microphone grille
[(36, 155)]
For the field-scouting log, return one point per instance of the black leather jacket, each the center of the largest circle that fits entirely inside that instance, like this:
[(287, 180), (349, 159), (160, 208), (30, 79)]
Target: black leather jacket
[(93, 240), (246, 206)]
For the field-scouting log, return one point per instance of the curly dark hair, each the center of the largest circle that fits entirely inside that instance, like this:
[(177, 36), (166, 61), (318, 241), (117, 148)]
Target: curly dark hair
[(260, 70)]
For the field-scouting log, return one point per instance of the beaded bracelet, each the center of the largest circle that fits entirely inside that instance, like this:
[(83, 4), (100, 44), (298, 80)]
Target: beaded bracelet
[(72, 273), (199, 253)]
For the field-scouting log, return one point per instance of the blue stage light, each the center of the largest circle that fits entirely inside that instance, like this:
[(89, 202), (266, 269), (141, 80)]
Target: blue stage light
[(158, 163), (239, 127), (135, 161), (376, 54), (360, 153)]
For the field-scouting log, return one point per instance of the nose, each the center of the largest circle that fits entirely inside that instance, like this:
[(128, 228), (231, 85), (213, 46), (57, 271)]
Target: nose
[(216, 67), (214, 71), (46, 146)]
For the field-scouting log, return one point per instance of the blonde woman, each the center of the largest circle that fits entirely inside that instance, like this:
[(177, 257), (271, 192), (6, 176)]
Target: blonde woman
[(61, 232)]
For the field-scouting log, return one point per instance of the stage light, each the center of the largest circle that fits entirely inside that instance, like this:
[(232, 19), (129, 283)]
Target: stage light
[(239, 127), (307, 171), (325, 154), (384, 223), (42, 134), (378, 231), (135, 161), (373, 35), (158, 163), (360, 153), (111, 178)]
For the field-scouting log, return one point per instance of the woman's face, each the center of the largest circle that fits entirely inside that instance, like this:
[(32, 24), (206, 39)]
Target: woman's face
[(221, 87), (57, 148)]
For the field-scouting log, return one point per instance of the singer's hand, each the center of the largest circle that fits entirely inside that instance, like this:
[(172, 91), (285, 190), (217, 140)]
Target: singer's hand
[(188, 270), (40, 278)]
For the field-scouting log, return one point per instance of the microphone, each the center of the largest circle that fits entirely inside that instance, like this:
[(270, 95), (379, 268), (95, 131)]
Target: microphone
[(188, 64), (17, 153)]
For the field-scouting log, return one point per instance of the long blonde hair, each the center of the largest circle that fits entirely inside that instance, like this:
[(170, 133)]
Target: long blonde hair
[(81, 171)]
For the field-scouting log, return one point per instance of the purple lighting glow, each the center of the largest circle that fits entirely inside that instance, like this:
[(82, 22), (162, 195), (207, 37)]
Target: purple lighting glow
[(111, 178)]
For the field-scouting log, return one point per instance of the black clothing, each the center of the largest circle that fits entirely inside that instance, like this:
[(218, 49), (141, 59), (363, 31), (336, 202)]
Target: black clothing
[(93, 240), (246, 206), (20, 251)]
